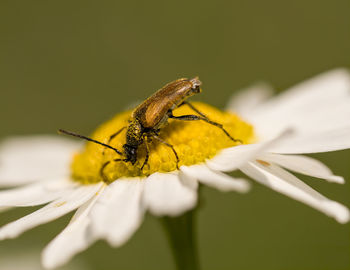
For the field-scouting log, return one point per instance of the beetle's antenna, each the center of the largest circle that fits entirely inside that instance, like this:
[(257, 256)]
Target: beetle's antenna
[(89, 139)]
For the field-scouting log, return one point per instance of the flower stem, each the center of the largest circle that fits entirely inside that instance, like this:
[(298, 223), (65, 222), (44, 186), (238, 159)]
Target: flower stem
[(181, 235)]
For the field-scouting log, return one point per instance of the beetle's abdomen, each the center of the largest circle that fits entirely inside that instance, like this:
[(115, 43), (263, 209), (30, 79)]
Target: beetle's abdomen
[(156, 114), (154, 110)]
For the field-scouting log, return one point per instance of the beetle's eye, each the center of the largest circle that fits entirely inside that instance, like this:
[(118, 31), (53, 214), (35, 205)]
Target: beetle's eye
[(195, 82), (197, 89)]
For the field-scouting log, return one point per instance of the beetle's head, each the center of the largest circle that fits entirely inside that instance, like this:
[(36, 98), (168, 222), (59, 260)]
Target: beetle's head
[(130, 153), (196, 83)]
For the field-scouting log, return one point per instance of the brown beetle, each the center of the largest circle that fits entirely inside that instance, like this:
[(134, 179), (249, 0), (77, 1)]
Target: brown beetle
[(151, 115)]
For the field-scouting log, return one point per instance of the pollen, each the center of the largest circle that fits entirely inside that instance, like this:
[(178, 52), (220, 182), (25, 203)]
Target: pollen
[(194, 142)]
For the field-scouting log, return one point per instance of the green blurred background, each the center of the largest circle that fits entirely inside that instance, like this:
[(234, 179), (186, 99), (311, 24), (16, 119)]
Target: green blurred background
[(73, 64)]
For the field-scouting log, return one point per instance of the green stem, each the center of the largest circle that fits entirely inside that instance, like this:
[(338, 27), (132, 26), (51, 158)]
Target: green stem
[(181, 235)]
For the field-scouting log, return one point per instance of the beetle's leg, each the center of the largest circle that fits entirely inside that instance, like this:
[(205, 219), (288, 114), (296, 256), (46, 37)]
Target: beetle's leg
[(102, 172), (193, 108), (169, 145), (147, 153), (115, 134), (112, 137), (104, 177), (207, 120), (191, 117)]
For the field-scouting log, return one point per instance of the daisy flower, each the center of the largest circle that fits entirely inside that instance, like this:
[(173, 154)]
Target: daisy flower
[(311, 117)]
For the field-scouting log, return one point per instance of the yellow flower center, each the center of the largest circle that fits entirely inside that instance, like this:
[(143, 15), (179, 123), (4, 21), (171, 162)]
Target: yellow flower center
[(193, 141)]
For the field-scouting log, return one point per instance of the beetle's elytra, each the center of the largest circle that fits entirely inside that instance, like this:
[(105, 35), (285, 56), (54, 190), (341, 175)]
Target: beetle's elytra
[(150, 116)]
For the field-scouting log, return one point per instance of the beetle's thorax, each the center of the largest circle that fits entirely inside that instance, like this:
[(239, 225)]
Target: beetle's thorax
[(134, 138), (134, 133)]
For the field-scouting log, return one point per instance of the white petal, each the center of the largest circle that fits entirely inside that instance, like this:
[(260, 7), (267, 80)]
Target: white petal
[(327, 141), (249, 98), (303, 164), (220, 181), (67, 203), (334, 115), (188, 181), (30, 158), (166, 194), (232, 158), (4, 209), (27, 259), (310, 106), (119, 211), (313, 120), (73, 239), (35, 194), (282, 181), (328, 86)]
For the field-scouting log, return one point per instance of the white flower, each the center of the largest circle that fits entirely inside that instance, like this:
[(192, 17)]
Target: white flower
[(309, 118)]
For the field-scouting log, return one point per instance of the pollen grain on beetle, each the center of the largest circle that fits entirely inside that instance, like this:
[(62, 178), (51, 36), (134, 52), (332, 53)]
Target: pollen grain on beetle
[(194, 142)]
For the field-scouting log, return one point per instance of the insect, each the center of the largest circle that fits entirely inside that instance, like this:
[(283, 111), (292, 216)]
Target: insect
[(150, 116)]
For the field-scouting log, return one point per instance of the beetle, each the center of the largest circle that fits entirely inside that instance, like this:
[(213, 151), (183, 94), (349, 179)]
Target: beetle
[(148, 118)]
